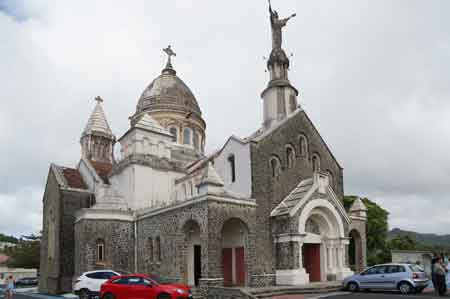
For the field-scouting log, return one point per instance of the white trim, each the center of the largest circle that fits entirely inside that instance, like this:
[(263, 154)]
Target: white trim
[(339, 204), (358, 218), (195, 200), (317, 203), (97, 214)]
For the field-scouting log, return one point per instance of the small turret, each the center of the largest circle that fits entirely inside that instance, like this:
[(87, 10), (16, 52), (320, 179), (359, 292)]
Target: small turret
[(97, 140), (358, 210)]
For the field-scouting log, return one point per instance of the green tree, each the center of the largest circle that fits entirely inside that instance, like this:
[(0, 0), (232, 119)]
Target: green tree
[(26, 254), (377, 229), (9, 239), (403, 243)]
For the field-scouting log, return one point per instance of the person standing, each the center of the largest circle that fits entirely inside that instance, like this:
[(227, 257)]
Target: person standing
[(9, 287), (439, 271)]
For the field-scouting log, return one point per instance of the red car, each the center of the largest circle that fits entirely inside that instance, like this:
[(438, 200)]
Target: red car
[(142, 286)]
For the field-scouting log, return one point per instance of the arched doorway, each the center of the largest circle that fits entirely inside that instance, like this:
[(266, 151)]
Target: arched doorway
[(234, 237), (193, 253), (355, 253), (323, 242)]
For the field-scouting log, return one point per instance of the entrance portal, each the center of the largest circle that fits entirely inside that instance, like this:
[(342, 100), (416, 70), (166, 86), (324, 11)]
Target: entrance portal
[(311, 261), (193, 253), (234, 233), (197, 263)]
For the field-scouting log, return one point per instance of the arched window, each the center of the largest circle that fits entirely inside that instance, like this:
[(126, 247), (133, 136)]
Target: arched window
[(100, 250), (275, 167), (158, 248), (150, 249), (196, 143), (290, 156), (187, 136), (316, 163), (231, 161), (303, 143), (174, 133)]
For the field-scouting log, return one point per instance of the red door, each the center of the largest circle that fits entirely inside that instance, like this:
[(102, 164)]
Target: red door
[(311, 261), (227, 260), (240, 266)]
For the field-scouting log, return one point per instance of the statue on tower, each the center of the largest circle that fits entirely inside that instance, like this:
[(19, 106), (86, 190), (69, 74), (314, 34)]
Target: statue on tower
[(277, 25)]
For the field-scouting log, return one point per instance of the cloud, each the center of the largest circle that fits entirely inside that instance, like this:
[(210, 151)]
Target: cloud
[(372, 76)]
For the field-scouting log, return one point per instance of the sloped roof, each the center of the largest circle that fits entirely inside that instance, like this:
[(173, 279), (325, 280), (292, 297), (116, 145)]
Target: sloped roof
[(73, 178), (296, 195), (103, 170)]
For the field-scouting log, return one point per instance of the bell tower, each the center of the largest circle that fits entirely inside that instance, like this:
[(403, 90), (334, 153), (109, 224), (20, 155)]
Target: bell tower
[(279, 97), (97, 140)]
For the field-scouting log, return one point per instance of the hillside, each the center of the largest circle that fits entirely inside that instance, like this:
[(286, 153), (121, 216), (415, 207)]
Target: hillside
[(433, 240)]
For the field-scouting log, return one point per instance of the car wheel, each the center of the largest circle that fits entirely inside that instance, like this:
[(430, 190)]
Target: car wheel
[(164, 296), (352, 286), (85, 294), (109, 296), (405, 288)]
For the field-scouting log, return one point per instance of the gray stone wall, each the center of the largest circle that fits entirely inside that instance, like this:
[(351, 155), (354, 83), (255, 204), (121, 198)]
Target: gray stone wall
[(269, 191), (118, 237), (56, 273), (360, 227), (49, 268), (287, 256), (169, 227), (172, 226)]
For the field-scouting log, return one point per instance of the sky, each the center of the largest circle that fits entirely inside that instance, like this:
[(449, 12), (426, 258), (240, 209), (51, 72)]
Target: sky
[(372, 75)]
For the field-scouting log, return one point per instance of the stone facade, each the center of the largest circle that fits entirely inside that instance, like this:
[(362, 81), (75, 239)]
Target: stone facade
[(117, 237), (269, 191), (57, 257)]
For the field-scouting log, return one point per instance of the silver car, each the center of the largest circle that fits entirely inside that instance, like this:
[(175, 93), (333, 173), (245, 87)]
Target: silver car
[(406, 278)]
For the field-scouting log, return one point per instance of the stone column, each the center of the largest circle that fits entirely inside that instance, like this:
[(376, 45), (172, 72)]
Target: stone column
[(289, 261)]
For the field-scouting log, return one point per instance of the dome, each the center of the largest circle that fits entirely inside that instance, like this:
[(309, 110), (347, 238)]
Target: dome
[(168, 92)]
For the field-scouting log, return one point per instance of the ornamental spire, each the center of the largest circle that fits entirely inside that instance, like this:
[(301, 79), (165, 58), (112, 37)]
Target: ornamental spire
[(97, 121), (97, 140)]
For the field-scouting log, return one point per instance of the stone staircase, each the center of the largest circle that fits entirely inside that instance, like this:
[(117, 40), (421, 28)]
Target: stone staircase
[(196, 293), (269, 292)]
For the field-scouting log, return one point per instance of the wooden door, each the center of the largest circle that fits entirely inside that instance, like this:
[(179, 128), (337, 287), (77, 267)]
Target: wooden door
[(227, 264), (311, 261), (240, 266)]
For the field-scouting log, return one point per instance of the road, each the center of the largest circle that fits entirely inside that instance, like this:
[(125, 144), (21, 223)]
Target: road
[(339, 295)]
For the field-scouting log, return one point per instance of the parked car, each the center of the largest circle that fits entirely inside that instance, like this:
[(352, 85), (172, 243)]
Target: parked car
[(27, 282), (407, 278), (89, 283), (140, 286)]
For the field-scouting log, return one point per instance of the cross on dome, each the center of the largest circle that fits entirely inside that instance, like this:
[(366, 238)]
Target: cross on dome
[(169, 68), (98, 99)]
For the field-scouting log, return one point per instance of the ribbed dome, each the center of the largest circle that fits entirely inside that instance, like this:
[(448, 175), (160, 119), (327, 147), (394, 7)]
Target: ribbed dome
[(168, 92)]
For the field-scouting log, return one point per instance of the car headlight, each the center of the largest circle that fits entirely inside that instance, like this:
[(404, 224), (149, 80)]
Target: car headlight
[(180, 291)]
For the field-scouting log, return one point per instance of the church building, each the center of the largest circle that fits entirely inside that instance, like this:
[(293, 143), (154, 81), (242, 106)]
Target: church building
[(265, 209)]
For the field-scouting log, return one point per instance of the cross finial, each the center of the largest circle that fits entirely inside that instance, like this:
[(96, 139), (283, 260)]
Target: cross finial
[(169, 51), (98, 99), (169, 69)]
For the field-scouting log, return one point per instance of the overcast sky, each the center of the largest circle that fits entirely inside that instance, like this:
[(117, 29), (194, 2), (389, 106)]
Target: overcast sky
[(372, 75)]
